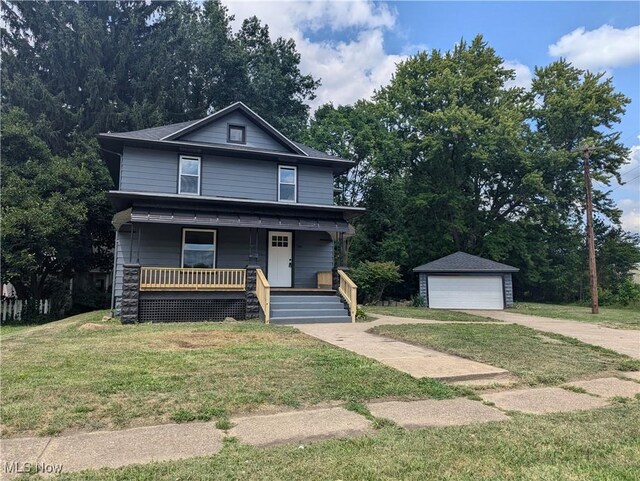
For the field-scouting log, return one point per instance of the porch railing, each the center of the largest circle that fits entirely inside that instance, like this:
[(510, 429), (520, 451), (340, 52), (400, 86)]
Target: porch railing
[(191, 279), (349, 291), (263, 293)]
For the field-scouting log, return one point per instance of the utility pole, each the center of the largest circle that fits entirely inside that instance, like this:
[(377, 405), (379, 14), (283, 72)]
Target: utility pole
[(591, 245)]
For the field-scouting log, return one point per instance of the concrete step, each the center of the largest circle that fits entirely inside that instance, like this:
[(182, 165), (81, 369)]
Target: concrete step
[(307, 305), (304, 299), (310, 319), (336, 311)]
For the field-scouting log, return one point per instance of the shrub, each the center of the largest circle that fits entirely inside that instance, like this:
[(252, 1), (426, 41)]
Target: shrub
[(418, 301), (373, 278), (628, 293)]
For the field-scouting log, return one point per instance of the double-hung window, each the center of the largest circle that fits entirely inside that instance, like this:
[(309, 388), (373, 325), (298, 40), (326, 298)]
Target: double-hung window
[(287, 183), (189, 182), (199, 248)]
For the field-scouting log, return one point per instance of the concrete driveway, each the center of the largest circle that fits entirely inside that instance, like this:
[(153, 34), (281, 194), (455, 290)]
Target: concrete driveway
[(624, 341)]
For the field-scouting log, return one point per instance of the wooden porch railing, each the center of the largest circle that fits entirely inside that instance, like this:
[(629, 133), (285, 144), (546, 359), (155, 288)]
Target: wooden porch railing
[(263, 293), (191, 279), (349, 291)]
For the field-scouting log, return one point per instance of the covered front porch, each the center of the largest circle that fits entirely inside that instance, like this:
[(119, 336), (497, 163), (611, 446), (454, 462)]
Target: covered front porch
[(195, 252)]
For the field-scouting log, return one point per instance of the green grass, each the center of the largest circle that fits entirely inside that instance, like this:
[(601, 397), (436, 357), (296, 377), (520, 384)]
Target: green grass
[(6, 330), (425, 313), (534, 357), (621, 318), (57, 377), (594, 445)]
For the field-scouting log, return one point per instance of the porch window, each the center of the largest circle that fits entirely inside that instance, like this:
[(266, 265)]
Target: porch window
[(189, 175), (287, 180), (199, 248)]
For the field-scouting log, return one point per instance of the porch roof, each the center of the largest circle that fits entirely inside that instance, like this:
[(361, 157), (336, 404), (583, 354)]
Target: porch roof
[(228, 219)]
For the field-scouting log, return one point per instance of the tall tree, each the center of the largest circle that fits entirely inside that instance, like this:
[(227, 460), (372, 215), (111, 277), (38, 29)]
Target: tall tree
[(51, 205)]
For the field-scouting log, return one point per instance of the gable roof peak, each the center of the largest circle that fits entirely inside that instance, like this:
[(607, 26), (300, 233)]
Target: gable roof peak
[(238, 105)]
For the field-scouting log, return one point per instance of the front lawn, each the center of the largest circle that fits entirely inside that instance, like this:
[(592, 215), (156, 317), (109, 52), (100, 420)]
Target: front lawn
[(534, 357), (426, 313), (58, 376), (589, 445), (621, 318)]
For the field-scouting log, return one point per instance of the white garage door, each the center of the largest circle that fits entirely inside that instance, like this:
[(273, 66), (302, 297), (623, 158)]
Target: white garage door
[(465, 292)]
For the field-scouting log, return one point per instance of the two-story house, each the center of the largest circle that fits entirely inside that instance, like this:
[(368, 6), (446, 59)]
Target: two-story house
[(225, 216)]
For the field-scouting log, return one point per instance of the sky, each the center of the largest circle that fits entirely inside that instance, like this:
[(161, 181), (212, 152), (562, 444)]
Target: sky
[(354, 46)]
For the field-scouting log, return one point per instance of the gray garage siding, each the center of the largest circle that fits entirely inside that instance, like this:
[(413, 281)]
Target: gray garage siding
[(146, 170)]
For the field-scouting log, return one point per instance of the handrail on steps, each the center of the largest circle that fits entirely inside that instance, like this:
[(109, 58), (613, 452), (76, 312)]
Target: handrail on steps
[(263, 293), (349, 291)]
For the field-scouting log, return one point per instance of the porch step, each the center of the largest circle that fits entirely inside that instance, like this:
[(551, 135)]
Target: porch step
[(322, 312), (306, 309), (310, 320)]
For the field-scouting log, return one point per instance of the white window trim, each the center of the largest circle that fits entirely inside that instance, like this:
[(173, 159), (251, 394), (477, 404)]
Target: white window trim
[(295, 183), (215, 244), (180, 174)]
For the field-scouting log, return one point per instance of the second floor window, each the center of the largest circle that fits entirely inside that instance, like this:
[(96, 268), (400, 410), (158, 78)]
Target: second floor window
[(287, 180), (189, 182)]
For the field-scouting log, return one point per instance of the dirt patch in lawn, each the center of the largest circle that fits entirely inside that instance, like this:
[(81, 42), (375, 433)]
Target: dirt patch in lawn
[(212, 339)]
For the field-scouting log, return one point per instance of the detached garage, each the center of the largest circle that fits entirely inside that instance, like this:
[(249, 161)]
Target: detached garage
[(463, 281)]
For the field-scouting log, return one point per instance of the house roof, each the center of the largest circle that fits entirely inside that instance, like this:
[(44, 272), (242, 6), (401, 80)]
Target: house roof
[(173, 132), (463, 262)]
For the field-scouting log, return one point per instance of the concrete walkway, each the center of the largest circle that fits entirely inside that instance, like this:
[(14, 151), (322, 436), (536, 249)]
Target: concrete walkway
[(416, 361), (623, 341), (112, 449)]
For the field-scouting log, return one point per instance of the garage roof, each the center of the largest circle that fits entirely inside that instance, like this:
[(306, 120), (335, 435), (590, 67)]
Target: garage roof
[(463, 262)]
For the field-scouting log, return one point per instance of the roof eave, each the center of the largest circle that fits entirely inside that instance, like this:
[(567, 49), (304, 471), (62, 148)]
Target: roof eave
[(462, 271), (340, 165)]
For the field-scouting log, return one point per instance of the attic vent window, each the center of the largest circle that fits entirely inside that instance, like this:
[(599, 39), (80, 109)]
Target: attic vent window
[(237, 134)]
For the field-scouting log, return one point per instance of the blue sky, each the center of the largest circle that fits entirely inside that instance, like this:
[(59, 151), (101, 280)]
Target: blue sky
[(353, 47)]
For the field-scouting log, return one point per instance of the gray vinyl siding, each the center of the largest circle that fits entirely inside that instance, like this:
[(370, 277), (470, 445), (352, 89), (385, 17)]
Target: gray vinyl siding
[(233, 248), (423, 287), (315, 185), (217, 133), (240, 178), (160, 246), (313, 253), (146, 170), (507, 284)]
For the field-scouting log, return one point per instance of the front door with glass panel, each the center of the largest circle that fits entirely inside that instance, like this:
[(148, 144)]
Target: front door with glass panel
[(280, 259)]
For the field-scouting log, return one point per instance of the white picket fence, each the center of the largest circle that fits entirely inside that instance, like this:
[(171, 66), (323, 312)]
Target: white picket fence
[(11, 309)]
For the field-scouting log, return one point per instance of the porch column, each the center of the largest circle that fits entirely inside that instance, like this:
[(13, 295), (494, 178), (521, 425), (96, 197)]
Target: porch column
[(130, 293), (253, 306)]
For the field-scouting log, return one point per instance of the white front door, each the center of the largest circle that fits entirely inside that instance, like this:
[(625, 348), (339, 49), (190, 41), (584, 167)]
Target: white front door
[(465, 292), (280, 259)]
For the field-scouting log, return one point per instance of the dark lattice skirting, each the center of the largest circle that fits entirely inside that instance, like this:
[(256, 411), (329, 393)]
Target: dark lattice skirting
[(184, 309)]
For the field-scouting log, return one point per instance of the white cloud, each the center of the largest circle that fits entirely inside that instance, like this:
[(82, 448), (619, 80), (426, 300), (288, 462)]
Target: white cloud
[(523, 74), (630, 214), (350, 69), (599, 49)]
